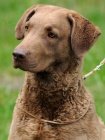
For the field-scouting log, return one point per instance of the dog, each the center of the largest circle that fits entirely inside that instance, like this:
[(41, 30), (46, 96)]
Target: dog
[(53, 103)]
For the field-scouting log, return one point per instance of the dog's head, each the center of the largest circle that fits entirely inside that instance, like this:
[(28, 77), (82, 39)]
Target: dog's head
[(50, 35)]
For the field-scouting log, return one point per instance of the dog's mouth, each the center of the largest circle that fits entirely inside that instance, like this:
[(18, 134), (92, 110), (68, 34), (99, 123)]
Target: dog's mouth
[(36, 64), (26, 66), (20, 61)]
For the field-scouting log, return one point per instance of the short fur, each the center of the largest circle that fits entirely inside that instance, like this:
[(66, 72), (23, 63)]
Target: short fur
[(55, 41)]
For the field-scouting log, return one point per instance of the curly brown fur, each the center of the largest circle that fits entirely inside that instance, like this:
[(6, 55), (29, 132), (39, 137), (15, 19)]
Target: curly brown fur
[(55, 41)]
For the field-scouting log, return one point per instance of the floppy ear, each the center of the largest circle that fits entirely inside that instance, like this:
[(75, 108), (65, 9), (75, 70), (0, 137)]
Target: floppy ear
[(20, 27), (83, 34)]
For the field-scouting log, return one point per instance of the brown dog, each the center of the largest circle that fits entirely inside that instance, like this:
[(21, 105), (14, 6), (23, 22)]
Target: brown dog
[(54, 103)]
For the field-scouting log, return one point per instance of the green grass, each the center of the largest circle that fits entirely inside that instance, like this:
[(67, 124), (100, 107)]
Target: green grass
[(10, 12), (7, 101)]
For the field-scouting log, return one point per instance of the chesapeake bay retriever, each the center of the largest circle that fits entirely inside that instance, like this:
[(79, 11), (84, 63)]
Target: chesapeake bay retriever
[(54, 103)]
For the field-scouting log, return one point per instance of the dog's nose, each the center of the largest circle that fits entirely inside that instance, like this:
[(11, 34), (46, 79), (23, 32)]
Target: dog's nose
[(19, 55)]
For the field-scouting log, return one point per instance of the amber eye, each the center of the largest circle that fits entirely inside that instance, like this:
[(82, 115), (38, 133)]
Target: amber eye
[(52, 35), (26, 27)]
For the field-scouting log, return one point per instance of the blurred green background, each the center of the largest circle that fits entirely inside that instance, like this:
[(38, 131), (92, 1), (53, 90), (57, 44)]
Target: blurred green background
[(11, 79)]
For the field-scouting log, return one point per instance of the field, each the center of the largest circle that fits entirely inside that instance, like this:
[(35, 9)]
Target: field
[(11, 79)]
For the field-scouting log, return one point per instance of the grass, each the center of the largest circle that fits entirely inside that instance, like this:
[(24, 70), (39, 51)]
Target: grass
[(10, 12)]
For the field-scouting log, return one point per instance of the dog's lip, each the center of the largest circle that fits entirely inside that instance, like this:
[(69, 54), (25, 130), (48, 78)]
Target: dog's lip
[(15, 64), (24, 66)]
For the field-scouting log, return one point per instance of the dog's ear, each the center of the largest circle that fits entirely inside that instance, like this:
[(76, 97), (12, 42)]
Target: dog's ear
[(20, 27), (83, 34)]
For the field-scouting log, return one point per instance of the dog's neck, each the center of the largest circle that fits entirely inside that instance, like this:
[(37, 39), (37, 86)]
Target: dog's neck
[(52, 92), (57, 79)]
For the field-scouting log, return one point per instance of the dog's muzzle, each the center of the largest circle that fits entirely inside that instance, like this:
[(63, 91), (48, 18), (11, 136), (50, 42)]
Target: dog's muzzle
[(18, 57)]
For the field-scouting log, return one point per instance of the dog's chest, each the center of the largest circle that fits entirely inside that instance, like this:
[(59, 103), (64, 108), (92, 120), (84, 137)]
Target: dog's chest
[(54, 106), (39, 104), (38, 130)]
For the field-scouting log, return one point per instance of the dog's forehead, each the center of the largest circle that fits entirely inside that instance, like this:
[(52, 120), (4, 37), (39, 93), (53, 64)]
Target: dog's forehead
[(49, 16), (50, 9)]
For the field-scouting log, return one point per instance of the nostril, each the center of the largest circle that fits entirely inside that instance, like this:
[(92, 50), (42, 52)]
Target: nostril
[(19, 55)]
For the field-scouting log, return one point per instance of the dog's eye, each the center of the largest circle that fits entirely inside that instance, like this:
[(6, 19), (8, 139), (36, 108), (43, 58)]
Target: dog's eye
[(26, 27), (52, 35)]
